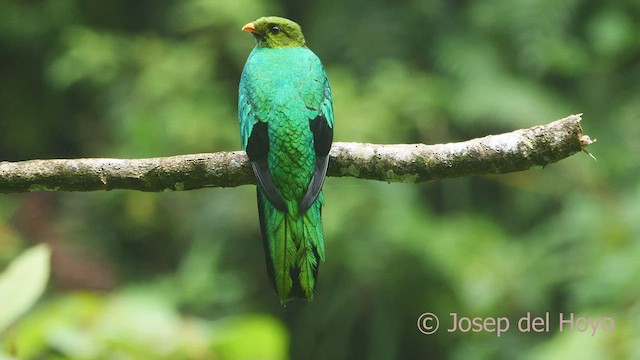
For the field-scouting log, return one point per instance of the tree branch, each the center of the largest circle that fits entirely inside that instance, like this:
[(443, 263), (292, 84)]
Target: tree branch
[(495, 154)]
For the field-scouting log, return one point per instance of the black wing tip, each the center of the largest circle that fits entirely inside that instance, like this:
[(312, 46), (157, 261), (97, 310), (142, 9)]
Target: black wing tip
[(257, 150), (278, 202), (266, 184), (315, 186)]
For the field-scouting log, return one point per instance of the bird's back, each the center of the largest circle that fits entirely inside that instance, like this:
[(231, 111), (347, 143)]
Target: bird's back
[(282, 83)]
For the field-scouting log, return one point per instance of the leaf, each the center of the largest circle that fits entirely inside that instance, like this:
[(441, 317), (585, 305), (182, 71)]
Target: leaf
[(22, 283), (251, 337)]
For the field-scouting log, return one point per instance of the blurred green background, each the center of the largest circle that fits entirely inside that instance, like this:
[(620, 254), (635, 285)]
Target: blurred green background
[(182, 275)]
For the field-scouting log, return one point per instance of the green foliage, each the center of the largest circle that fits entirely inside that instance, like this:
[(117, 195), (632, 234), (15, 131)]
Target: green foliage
[(135, 79), (22, 283), (138, 324)]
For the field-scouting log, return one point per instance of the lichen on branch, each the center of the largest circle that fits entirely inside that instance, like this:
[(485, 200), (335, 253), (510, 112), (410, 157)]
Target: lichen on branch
[(494, 154)]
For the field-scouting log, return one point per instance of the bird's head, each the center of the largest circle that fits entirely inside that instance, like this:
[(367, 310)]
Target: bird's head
[(275, 32)]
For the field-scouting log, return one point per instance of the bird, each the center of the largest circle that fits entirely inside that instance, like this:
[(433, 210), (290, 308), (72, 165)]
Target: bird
[(285, 110)]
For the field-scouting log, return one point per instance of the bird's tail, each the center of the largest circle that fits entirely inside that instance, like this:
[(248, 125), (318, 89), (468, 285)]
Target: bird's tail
[(294, 247)]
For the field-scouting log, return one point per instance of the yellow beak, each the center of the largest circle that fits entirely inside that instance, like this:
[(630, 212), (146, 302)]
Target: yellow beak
[(250, 27)]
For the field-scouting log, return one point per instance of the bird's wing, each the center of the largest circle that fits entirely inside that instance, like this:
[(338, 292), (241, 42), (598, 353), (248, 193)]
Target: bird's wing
[(255, 141), (320, 105)]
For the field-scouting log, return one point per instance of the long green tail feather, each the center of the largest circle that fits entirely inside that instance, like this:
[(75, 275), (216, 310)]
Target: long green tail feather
[(294, 247)]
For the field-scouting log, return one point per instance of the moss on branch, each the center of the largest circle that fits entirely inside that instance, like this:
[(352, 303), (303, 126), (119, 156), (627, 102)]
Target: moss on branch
[(494, 154)]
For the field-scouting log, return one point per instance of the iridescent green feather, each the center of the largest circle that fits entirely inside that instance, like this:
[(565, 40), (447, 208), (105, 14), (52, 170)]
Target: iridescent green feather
[(286, 125)]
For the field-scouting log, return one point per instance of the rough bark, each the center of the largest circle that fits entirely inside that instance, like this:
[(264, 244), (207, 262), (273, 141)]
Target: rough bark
[(494, 154)]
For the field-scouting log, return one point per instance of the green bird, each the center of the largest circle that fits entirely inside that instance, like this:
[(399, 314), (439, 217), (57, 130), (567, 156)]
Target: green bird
[(286, 125)]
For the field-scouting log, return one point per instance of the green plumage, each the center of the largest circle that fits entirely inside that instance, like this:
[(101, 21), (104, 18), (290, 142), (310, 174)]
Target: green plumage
[(286, 125)]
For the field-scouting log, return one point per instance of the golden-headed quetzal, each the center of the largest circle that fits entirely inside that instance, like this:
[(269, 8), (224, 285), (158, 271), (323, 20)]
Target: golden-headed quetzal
[(286, 124)]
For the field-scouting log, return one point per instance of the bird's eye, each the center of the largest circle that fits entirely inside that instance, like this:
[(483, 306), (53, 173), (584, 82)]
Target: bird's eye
[(275, 29)]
